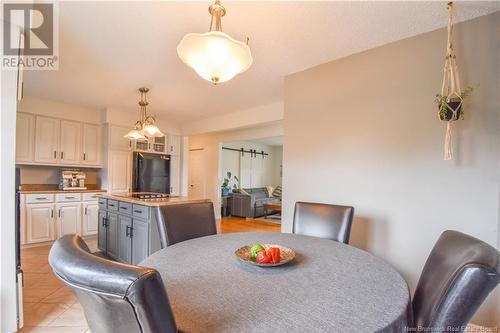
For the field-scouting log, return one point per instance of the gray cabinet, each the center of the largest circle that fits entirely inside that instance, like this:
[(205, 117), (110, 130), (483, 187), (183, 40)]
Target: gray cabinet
[(112, 235), (140, 240), (101, 229), (124, 235)]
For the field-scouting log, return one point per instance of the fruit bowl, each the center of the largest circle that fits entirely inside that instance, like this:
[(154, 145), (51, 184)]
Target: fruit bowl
[(286, 255)]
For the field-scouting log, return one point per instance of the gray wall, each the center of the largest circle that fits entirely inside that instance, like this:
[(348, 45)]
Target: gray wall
[(363, 131)]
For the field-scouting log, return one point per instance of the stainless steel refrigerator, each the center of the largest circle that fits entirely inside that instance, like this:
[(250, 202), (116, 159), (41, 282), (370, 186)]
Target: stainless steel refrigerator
[(151, 173)]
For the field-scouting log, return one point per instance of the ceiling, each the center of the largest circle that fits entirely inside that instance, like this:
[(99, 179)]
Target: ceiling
[(109, 49)]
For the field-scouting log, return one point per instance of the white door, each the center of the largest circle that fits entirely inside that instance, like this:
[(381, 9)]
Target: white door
[(245, 171), (39, 221), (196, 177), (120, 171), (174, 145), (90, 218), (91, 145), (175, 168), (70, 141), (116, 139), (68, 218), (257, 171), (25, 132), (46, 140)]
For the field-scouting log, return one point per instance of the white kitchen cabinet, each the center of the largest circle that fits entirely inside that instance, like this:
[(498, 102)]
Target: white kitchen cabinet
[(39, 222), (69, 218), (120, 172), (174, 144), (89, 218), (175, 168), (46, 140), (25, 137), (70, 141), (91, 145), (116, 139)]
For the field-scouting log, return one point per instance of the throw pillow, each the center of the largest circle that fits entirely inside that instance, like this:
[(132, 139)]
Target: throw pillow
[(242, 191), (270, 191), (277, 192)]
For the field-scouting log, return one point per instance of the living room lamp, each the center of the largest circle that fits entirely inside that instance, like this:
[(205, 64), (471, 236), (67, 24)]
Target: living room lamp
[(214, 55)]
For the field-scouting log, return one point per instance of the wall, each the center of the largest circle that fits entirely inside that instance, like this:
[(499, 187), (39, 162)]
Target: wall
[(211, 145), (31, 174), (363, 131), (269, 166)]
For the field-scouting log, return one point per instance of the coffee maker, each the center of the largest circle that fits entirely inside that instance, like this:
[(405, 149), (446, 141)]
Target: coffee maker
[(72, 179)]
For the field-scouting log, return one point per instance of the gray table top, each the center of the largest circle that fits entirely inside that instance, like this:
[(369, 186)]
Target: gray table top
[(329, 287)]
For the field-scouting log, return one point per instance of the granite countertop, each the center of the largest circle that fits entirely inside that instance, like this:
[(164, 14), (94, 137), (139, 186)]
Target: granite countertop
[(153, 202), (51, 188)]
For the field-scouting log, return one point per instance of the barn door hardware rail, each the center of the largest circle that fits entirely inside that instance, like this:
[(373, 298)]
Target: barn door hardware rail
[(252, 152)]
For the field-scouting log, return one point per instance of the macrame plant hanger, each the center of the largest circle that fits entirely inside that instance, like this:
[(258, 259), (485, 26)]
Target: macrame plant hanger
[(451, 84)]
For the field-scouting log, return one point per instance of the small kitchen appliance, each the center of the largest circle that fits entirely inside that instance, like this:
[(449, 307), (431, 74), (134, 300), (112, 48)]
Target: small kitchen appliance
[(72, 179)]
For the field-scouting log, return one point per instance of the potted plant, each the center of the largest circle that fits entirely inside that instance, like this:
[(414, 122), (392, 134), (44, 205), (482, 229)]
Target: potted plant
[(450, 109), (226, 186)]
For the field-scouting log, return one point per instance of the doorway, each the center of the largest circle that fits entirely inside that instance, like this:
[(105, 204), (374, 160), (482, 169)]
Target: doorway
[(197, 177)]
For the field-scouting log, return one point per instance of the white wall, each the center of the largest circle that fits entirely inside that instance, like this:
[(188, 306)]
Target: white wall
[(363, 131), (211, 144)]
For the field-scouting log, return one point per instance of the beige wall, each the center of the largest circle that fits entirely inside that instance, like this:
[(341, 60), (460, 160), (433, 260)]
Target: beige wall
[(363, 131), (211, 145), (31, 174)]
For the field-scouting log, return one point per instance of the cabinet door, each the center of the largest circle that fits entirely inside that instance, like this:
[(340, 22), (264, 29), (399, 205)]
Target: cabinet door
[(101, 230), (174, 145), (91, 145), (112, 235), (25, 137), (46, 140), (140, 241), (39, 220), (90, 218), (120, 171), (174, 174), (116, 139), (69, 219), (70, 141), (124, 241)]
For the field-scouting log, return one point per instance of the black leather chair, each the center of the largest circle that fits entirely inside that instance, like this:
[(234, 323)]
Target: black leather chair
[(184, 222), (458, 275), (323, 220), (115, 297)]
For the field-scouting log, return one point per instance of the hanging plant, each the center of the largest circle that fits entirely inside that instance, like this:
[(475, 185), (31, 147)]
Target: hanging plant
[(450, 109)]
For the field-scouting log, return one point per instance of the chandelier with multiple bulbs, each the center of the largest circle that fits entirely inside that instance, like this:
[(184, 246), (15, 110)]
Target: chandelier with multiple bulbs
[(214, 55), (145, 127)]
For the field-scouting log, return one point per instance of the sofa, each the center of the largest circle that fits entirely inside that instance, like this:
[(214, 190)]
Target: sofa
[(250, 202)]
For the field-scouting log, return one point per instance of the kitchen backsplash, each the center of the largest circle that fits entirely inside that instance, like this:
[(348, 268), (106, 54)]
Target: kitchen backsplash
[(50, 175)]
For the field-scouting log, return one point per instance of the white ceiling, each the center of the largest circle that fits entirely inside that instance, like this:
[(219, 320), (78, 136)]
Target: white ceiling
[(109, 49)]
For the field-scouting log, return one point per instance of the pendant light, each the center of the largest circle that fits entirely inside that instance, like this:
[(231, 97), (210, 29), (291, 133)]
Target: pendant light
[(214, 55), (145, 127)]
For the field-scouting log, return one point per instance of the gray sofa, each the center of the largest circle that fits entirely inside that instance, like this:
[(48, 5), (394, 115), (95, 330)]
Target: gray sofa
[(251, 204)]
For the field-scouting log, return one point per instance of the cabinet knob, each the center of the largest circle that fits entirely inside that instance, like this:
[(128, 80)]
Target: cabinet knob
[(84, 156), (55, 154)]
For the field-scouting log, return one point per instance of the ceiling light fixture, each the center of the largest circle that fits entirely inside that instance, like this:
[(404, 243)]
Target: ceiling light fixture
[(214, 55), (144, 127)]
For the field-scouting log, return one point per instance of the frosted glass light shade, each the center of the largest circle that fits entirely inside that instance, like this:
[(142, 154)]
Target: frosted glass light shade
[(151, 130), (214, 55), (134, 135)]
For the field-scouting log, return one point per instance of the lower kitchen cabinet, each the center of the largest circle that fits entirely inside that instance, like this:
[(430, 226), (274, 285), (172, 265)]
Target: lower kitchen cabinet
[(101, 230), (69, 218), (124, 238), (112, 235), (139, 240), (90, 218), (39, 223)]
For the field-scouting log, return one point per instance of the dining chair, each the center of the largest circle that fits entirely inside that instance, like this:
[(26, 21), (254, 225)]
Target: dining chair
[(115, 297), (184, 222), (459, 274), (323, 220)]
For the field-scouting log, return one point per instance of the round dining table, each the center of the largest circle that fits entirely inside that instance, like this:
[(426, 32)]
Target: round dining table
[(327, 287)]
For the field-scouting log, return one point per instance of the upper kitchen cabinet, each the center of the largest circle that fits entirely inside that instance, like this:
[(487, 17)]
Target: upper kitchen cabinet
[(25, 137), (91, 145), (174, 145), (47, 140), (70, 142), (116, 138)]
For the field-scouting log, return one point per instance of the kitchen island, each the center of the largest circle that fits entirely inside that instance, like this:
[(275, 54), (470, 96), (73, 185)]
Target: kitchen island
[(130, 229)]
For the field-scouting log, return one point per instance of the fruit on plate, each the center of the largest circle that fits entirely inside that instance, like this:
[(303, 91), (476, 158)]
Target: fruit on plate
[(263, 257), (275, 254), (256, 248)]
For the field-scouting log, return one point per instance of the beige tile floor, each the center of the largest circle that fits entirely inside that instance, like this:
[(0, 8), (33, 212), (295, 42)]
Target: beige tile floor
[(49, 306)]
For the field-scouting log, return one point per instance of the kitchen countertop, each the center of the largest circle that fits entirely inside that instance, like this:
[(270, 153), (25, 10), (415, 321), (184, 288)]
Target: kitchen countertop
[(153, 202), (54, 188), (60, 191)]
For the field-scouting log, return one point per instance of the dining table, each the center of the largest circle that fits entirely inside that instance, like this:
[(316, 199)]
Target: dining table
[(328, 287)]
